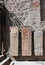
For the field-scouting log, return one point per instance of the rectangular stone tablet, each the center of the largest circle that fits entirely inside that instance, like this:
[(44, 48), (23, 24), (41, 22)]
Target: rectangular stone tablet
[(14, 41), (26, 41), (38, 42)]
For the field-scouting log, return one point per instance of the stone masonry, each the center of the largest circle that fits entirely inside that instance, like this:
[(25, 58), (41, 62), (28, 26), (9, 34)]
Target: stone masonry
[(28, 13)]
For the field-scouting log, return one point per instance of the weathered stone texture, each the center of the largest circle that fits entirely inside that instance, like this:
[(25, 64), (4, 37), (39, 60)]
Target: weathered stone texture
[(38, 42), (27, 11), (14, 41), (26, 41), (35, 4)]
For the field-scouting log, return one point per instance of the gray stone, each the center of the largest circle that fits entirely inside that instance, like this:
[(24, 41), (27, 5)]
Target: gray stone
[(14, 41), (27, 11), (38, 42)]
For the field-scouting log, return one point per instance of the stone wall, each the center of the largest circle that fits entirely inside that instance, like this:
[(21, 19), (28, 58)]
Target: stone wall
[(28, 13)]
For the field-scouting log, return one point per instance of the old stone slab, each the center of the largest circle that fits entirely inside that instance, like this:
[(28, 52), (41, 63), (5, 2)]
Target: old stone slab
[(26, 41), (38, 42), (14, 41)]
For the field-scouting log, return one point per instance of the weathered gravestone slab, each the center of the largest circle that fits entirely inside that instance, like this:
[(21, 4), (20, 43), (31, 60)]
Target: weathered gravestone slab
[(26, 41), (14, 41), (38, 42)]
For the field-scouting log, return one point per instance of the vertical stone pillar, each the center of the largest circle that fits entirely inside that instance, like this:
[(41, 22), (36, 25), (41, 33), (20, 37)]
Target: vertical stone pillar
[(38, 42), (26, 41), (14, 41)]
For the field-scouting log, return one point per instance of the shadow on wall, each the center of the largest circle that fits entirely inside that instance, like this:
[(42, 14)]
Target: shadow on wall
[(6, 30), (10, 20)]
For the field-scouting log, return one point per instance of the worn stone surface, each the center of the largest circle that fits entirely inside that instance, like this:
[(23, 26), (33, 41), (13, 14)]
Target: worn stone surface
[(26, 41), (27, 11), (14, 41), (38, 42)]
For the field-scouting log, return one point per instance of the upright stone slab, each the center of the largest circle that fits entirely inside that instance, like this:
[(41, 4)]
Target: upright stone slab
[(14, 41), (38, 42), (26, 41)]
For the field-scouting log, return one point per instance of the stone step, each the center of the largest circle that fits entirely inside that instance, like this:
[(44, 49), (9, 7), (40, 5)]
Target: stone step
[(6, 61)]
